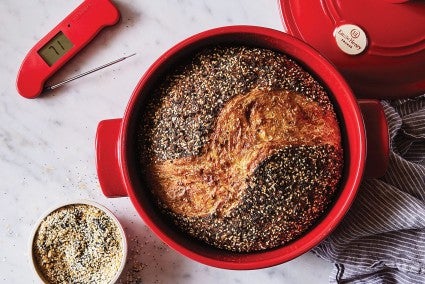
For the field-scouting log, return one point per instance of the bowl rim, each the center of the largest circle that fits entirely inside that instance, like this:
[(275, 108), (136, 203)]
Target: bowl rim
[(339, 208), (60, 205)]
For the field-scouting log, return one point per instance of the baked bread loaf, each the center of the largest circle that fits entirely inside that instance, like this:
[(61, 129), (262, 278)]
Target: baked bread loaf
[(241, 148)]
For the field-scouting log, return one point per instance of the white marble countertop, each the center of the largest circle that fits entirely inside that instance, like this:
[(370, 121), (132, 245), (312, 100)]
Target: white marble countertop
[(47, 152)]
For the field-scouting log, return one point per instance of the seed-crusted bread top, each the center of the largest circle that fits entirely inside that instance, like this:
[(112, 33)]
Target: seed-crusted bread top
[(241, 148)]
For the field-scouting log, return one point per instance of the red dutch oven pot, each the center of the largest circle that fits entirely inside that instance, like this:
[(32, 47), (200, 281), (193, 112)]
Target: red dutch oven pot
[(116, 146)]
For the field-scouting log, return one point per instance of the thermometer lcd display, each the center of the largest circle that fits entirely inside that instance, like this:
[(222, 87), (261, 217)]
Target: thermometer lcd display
[(55, 48)]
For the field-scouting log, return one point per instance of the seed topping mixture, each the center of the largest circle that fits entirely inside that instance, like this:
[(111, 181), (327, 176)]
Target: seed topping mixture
[(78, 243), (240, 147)]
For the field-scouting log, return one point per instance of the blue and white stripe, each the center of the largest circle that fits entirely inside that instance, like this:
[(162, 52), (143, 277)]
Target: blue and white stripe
[(382, 238)]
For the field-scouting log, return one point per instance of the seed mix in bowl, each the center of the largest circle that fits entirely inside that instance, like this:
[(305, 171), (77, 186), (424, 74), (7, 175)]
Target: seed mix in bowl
[(78, 243)]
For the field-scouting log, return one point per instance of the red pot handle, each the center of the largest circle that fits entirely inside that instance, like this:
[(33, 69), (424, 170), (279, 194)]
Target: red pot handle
[(378, 143), (107, 161)]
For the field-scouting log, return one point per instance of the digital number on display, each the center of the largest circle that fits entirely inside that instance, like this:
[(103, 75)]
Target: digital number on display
[(55, 48)]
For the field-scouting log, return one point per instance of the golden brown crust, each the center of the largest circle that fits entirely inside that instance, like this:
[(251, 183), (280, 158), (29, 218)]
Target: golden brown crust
[(249, 129)]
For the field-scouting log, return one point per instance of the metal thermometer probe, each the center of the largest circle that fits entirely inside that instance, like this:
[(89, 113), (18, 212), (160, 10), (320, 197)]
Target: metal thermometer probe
[(52, 87)]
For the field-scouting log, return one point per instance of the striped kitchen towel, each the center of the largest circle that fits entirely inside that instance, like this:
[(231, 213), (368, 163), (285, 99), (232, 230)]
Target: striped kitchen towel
[(382, 237)]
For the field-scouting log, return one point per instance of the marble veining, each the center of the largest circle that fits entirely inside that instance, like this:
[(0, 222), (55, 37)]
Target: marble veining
[(47, 152)]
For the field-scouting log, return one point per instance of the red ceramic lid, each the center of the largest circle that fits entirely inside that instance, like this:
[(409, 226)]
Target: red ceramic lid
[(378, 45)]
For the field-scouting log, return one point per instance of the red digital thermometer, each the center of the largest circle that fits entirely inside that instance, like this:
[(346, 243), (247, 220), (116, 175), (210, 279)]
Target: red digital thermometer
[(62, 43)]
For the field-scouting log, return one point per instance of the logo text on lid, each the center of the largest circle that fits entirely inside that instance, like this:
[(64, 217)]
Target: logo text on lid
[(351, 39)]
